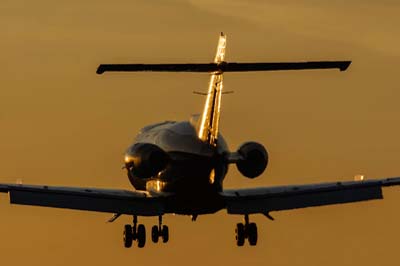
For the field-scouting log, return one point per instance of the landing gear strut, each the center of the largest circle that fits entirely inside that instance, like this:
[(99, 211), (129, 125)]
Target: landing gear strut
[(134, 233), (246, 231), (137, 233), (160, 231)]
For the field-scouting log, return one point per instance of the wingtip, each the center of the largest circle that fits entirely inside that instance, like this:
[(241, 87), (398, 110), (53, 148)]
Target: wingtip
[(100, 70), (345, 65)]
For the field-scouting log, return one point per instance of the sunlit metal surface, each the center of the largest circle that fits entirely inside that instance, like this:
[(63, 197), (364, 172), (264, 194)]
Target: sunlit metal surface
[(208, 127), (155, 185), (220, 55), (359, 178), (212, 176)]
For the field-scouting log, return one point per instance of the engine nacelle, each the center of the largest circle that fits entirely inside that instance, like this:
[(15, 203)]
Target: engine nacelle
[(146, 160), (254, 159)]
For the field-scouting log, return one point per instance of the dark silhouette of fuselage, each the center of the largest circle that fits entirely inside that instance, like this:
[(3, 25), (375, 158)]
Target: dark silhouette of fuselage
[(194, 171)]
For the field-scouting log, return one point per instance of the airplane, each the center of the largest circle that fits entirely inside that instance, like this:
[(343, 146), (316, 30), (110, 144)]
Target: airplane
[(179, 167)]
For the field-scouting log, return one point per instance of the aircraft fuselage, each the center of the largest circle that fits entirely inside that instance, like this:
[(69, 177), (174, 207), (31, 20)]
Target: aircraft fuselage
[(194, 171)]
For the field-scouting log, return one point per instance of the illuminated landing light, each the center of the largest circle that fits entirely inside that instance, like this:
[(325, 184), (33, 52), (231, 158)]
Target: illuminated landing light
[(359, 178), (212, 177), (128, 158)]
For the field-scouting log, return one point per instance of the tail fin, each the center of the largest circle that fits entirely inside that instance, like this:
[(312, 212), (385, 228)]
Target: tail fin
[(208, 125)]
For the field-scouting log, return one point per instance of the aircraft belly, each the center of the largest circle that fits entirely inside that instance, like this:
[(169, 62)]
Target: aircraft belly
[(207, 204), (192, 174), (194, 181)]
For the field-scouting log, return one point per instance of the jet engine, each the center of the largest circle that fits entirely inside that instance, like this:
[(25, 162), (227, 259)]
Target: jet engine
[(145, 160), (253, 161)]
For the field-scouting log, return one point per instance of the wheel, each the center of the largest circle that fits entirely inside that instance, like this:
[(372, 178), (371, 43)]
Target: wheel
[(252, 234), (239, 231), (128, 237), (141, 236), (155, 234), (165, 234)]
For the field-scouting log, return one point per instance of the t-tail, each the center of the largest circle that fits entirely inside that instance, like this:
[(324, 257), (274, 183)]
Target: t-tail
[(207, 128)]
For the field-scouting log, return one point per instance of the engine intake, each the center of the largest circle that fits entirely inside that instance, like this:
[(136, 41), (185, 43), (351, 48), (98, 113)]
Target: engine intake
[(254, 159), (145, 160)]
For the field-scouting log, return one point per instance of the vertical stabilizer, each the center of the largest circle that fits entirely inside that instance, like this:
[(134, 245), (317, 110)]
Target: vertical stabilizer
[(209, 121)]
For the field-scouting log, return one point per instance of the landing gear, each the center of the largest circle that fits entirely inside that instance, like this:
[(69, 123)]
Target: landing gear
[(141, 236), (137, 233), (134, 233), (160, 231), (165, 234), (246, 231), (155, 234), (128, 236), (252, 235), (240, 234)]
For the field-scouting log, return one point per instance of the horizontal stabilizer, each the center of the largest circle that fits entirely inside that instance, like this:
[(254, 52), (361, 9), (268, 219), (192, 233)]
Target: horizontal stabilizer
[(211, 67), (223, 67)]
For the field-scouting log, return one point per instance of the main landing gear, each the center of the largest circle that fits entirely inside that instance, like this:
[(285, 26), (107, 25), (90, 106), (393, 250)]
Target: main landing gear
[(134, 233), (160, 231), (246, 231), (137, 233)]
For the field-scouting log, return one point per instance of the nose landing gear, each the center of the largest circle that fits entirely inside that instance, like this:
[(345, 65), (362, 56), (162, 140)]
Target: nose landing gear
[(160, 231), (246, 231)]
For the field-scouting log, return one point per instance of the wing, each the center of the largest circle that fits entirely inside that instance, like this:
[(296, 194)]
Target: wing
[(264, 200), (89, 199)]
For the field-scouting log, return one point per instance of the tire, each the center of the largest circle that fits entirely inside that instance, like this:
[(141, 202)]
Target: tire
[(155, 234), (165, 234), (252, 234), (128, 237), (141, 236), (239, 232)]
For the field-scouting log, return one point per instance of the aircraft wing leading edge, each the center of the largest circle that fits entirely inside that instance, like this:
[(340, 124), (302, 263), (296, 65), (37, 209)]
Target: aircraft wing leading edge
[(264, 200), (88, 199)]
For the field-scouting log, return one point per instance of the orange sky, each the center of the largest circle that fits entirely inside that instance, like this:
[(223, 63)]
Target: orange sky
[(61, 124)]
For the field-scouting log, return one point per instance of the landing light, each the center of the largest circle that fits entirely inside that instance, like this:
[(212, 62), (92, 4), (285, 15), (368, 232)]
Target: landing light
[(212, 176), (358, 177), (127, 158)]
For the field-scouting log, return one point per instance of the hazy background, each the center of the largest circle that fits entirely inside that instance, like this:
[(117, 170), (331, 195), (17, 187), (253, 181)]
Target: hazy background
[(61, 124)]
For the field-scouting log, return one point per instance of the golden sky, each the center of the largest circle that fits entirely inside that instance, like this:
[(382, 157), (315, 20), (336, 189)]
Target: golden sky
[(61, 124)]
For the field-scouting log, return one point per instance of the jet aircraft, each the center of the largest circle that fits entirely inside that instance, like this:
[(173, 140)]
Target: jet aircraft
[(179, 167)]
